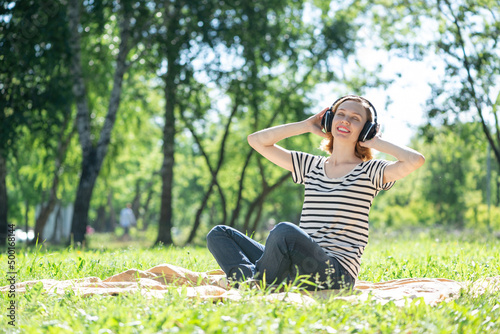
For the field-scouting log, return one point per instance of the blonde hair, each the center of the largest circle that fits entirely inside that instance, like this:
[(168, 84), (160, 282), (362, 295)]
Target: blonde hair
[(364, 153)]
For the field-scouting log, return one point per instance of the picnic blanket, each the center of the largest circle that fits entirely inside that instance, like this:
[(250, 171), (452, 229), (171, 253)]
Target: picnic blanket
[(167, 278)]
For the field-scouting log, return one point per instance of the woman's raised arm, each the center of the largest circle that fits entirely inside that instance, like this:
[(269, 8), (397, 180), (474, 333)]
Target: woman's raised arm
[(264, 141), (409, 160)]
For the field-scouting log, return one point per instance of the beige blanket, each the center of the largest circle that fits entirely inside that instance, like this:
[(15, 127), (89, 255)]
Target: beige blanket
[(167, 278)]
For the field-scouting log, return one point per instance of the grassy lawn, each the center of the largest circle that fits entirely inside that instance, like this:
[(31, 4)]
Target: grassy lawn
[(436, 253)]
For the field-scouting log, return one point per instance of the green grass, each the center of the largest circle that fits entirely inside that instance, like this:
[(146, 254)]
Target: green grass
[(417, 253)]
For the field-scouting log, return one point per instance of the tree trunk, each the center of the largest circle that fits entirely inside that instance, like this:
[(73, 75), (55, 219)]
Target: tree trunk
[(46, 209), (3, 200), (41, 221), (82, 204), (259, 200), (237, 208), (56, 236), (92, 156), (172, 16), (258, 216), (498, 191), (136, 202), (213, 171), (111, 221), (100, 221), (197, 218), (167, 171), (26, 216), (144, 216), (223, 205), (471, 80)]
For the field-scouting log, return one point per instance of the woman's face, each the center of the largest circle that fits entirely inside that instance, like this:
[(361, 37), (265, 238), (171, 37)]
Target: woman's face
[(348, 121)]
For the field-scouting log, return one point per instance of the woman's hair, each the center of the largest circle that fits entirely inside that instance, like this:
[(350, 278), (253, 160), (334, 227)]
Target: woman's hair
[(364, 153)]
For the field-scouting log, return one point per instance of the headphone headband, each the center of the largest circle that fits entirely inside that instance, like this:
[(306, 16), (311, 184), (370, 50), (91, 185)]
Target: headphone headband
[(371, 107)]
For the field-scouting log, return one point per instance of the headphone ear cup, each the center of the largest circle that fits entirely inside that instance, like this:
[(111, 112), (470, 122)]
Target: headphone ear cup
[(326, 121), (368, 132)]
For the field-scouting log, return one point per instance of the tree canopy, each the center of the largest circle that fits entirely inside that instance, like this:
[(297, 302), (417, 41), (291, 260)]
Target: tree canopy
[(150, 102)]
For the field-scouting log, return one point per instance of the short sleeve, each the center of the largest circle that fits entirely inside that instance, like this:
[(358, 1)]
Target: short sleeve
[(302, 163), (376, 170)]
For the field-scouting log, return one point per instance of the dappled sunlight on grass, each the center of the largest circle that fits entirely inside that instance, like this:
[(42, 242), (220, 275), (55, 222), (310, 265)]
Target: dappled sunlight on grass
[(390, 255), (431, 253)]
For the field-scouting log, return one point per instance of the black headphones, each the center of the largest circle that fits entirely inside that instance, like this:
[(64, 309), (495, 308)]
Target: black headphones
[(369, 129)]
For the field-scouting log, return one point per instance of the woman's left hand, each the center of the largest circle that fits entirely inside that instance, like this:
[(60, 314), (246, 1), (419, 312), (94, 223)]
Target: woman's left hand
[(372, 143), (408, 160)]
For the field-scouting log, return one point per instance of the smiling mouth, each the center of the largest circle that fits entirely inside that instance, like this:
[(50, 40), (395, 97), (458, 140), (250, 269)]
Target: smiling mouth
[(343, 129)]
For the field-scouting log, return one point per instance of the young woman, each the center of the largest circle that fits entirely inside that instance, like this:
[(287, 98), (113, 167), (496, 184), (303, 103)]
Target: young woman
[(339, 190)]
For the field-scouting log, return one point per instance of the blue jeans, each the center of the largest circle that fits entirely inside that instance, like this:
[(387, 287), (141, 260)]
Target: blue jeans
[(288, 252)]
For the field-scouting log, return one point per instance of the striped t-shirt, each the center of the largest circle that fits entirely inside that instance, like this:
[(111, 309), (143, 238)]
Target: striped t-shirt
[(335, 211)]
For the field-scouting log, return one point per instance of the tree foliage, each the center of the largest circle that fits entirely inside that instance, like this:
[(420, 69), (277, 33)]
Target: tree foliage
[(164, 94), (463, 37), (450, 189), (36, 99)]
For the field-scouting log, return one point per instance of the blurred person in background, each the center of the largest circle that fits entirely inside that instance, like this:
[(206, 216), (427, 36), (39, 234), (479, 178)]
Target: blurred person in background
[(127, 220)]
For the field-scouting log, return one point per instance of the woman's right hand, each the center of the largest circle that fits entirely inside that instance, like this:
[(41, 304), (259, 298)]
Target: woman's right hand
[(264, 141), (314, 124)]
